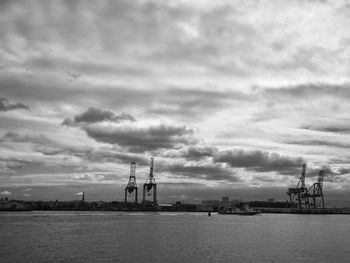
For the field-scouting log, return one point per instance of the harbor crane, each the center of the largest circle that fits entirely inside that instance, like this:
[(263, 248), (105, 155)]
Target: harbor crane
[(316, 193), (299, 193), (131, 188), (305, 200), (149, 185)]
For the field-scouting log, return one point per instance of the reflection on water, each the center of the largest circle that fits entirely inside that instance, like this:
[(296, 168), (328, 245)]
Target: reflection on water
[(172, 237)]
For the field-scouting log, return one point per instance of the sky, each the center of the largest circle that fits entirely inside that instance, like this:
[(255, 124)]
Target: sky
[(229, 97)]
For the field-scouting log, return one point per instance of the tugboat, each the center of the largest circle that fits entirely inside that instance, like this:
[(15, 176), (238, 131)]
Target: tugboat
[(242, 210)]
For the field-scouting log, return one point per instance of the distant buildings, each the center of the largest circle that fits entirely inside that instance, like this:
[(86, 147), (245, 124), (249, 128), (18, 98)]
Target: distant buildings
[(12, 205), (265, 206), (214, 205)]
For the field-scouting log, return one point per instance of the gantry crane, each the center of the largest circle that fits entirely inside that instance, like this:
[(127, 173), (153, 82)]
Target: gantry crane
[(131, 188), (299, 193), (305, 200), (316, 193), (149, 185)]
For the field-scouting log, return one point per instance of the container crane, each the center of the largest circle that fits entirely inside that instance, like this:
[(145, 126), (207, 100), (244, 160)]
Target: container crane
[(307, 200), (299, 193), (131, 187), (149, 185)]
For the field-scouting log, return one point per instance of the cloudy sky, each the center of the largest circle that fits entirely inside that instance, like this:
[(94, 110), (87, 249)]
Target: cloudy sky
[(229, 97)]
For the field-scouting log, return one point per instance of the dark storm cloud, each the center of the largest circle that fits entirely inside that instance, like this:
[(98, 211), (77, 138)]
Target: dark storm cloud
[(330, 174), (5, 105), (25, 137), (199, 152), (333, 129), (318, 143), (18, 165), (60, 158), (344, 170), (191, 102), (307, 91), (73, 75), (10, 165), (116, 156), (139, 139), (39, 143), (199, 171), (281, 102), (192, 153), (259, 161), (186, 102), (35, 89), (43, 144), (123, 130), (93, 115)]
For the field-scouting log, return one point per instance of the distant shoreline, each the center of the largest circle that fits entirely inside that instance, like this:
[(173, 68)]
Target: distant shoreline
[(160, 211)]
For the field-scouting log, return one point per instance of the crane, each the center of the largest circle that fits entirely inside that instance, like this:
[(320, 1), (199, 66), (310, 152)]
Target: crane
[(149, 185), (131, 186), (307, 199)]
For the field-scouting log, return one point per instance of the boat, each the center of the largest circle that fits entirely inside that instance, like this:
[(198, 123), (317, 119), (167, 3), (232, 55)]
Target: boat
[(243, 210)]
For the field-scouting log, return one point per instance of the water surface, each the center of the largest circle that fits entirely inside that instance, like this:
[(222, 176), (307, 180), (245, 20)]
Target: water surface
[(172, 237)]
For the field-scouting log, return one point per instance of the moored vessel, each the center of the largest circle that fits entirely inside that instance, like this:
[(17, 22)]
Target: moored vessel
[(243, 210)]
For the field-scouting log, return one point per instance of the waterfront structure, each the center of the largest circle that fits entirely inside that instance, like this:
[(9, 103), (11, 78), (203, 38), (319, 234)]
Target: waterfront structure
[(271, 207), (307, 200), (215, 205), (210, 205), (131, 188), (299, 193), (243, 209), (316, 193), (225, 202), (149, 185)]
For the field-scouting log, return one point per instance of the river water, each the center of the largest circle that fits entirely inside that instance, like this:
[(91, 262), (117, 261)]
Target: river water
[(172, 237)]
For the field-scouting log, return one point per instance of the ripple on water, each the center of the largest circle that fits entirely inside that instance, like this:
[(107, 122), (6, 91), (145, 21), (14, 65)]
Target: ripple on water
[(172, 237)]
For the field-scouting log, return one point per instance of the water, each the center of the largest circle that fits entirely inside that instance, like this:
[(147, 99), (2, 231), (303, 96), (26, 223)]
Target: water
[(172, 237)]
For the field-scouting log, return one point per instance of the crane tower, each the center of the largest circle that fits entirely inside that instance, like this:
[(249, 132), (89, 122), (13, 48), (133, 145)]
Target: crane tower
[(316, 193), (131, 188), (299, 194), (305, 200), (149, 185)]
